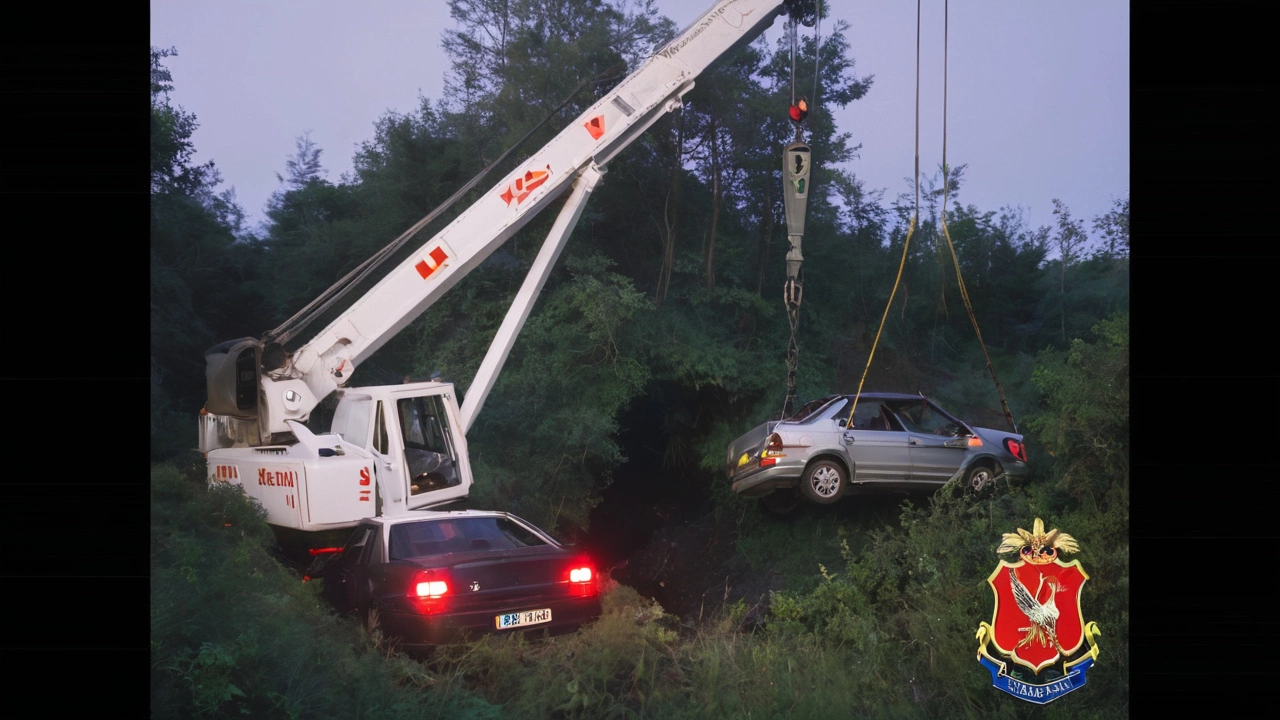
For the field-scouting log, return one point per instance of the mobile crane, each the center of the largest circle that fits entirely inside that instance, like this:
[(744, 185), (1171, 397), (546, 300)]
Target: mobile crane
[(396, 448)]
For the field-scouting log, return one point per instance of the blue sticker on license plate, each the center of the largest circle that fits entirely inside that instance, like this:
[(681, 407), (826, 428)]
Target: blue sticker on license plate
[(521, 619)]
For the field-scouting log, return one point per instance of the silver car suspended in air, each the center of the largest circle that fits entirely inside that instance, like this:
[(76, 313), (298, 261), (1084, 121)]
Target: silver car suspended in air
[(897, 441)]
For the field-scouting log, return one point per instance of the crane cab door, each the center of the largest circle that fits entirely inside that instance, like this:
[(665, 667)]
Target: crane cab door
[(427, 441), (414, 434)]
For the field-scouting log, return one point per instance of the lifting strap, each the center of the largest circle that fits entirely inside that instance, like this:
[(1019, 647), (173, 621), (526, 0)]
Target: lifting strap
[(946, 185), (906, 245)]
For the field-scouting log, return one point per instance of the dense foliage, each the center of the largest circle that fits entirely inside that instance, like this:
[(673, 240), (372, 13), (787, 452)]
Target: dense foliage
[(669, 290)]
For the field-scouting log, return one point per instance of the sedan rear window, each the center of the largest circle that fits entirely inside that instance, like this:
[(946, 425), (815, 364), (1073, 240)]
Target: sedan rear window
[(437, 537), (814, 408)]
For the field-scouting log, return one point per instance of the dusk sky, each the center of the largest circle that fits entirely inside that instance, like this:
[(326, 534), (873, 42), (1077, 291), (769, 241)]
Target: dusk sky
[(1037, 97)]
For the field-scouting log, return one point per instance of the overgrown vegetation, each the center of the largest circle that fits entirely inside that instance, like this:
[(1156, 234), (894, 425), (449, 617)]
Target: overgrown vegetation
[(667, 289), (236, 634)]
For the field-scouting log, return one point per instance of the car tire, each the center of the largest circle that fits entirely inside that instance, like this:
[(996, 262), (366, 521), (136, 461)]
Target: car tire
[(780, 502), (978, 479), (824, 481)]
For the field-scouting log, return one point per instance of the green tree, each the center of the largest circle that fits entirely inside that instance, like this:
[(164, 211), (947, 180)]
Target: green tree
[(1069, 241), (1113, 226), (1084, 424), (304, 167)]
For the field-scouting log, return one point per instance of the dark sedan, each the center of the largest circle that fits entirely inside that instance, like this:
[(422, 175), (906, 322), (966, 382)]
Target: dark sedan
[(430, 578), (895, 440)]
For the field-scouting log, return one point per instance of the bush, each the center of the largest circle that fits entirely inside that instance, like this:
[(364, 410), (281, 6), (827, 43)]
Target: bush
[(234, 634)]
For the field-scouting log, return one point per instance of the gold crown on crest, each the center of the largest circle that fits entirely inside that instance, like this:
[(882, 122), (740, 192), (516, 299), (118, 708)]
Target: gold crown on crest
[(1038, 547)]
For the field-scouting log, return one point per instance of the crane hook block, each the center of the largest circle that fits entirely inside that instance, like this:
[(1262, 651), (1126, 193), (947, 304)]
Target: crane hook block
[(795, 198)]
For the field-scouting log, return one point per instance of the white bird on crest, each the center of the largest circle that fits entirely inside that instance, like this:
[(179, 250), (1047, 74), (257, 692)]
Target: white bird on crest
[(1043, 616)]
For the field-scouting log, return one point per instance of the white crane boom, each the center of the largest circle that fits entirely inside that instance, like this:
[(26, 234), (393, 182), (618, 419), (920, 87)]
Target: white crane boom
[(249, 408)]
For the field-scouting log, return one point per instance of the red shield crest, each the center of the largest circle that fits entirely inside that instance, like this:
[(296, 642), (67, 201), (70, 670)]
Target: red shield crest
[(1037, 615)]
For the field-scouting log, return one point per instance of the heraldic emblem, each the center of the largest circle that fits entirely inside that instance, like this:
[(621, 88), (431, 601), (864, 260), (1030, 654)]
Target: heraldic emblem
[(1038, 630)]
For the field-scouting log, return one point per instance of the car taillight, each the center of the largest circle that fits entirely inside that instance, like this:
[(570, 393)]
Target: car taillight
[(975, 441), (324, 551), (430, 590), (772, 451), (1016, 449), (582, 579)]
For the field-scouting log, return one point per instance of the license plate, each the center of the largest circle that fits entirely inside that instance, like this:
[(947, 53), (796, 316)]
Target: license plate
[(521, 619)]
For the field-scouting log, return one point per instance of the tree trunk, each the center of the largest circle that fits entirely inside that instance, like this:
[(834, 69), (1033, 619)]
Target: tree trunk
[(768, 237)]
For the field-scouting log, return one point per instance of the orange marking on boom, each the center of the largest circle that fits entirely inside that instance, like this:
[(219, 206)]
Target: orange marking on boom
[(520, 188), (433, 262)]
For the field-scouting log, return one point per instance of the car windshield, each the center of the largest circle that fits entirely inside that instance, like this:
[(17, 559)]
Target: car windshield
[(437, 537)]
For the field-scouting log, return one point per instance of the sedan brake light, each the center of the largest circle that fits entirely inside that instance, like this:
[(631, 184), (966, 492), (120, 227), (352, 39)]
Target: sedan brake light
[(772, 451), (430, 590), (582, 579), (1016, 449)]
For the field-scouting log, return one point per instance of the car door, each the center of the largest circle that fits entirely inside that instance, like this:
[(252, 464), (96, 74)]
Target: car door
[(351, 576), (876, 446), (936, 440)]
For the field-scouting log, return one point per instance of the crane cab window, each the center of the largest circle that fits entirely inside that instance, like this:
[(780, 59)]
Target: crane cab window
[(428, 444)]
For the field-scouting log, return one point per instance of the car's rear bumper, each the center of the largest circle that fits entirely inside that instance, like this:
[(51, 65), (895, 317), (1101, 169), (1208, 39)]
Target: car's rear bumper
[(415, 631), (758, 482)]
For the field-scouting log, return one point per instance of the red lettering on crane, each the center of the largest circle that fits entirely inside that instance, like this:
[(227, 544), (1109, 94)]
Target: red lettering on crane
[(364, 476), (282, 478)]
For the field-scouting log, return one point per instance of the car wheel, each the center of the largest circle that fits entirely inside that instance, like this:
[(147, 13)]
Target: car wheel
[(780, 502), (824, 482), (979, 478)]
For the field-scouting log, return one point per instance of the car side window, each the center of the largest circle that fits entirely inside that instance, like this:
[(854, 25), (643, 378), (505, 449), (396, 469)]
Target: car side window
[(869, 416), (354, 549), (920, 417)]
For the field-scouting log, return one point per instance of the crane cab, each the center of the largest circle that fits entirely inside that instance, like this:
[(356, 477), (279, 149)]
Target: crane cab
[(390, 449), (415, 433)]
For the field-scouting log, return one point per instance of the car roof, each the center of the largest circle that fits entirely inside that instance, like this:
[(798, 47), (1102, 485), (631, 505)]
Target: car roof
[(419, 515)]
